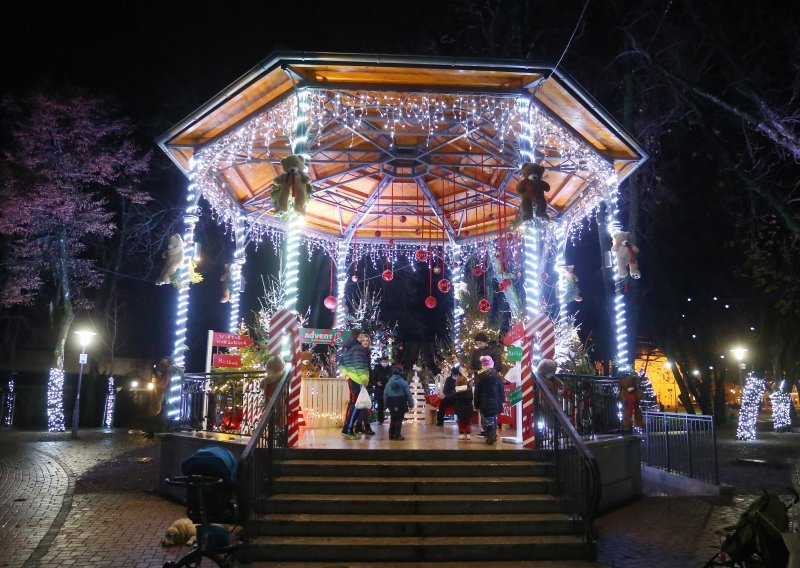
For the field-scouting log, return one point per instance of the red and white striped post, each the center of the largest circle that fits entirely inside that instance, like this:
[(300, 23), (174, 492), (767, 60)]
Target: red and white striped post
[(285, 325), (539, 333)]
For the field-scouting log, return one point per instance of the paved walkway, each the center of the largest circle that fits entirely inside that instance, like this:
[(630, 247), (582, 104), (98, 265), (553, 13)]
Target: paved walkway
[(91, 503)]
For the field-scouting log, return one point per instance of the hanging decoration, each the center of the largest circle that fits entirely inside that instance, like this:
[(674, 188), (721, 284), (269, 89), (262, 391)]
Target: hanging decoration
[(421, 255), (437, 270), (377, 234), (354, 278), (330, 303), (477, 271), (444, 286), (387, 275), (504, 284), (484, 305), (430, 302), (403, 218)]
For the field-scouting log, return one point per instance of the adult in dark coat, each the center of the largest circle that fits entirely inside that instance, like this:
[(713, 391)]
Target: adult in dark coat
[(448, 390), (482, 349), (380, 376), (489, 396)]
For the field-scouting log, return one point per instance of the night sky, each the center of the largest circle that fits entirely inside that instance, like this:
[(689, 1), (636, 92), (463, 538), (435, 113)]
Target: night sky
[(162, 60)]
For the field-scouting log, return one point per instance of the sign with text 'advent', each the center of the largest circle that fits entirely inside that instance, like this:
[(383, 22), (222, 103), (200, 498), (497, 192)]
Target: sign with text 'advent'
[(324, 336)]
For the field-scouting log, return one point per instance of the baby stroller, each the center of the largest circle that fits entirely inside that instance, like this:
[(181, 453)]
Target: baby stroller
[(756, 539), (209, 476)]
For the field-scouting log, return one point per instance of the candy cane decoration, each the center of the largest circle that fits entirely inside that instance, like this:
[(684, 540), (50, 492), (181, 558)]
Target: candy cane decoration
[(284, 331), (539, 332)]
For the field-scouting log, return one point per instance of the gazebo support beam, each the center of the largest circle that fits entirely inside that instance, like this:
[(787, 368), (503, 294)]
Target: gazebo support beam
[(366, 208), (436, 208)]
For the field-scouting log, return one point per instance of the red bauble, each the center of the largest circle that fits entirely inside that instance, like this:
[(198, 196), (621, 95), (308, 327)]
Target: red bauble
[(437, 270), (484, 305), (391, 242), (418, 231), (430, 302), (465, 233), (403, 218), (545, 276), (504, 285), (491, 217), (456, 264), (330, 303), (477, 271), (421, 255), (387, 275), (377, 234), (444, 286), (354, 278)]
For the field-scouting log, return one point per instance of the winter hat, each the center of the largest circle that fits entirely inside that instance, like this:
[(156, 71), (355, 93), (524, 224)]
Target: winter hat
[(546, 368), (487, 361), (481, 337)]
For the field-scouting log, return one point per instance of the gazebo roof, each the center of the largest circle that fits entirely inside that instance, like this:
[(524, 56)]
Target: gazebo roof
[(434, 141)]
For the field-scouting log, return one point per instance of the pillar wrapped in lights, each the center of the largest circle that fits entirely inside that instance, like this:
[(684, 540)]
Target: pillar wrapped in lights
[(111, 395), (55, 400), (341, 283), (781, 409), (236, 273), (190, 219), (8, 411), (291, 271), (753, 391), (457, 278), (534, 234), (624, 362)]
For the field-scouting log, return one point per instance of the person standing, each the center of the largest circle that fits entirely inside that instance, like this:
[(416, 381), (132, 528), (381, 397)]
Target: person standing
[(448, 390), (489, 395), (380, 376), (354, 365), (483, 348), (398, 399), (462, 406)]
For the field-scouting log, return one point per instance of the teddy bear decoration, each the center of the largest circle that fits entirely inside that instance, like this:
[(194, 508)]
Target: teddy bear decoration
[(626, 255), (531, 189), (173, 259), (569, 280), (293, 184)]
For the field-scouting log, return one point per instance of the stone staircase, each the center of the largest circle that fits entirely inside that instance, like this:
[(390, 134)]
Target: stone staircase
[(413, 506)]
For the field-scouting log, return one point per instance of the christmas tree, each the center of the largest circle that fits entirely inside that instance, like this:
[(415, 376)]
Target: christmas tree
[(572, 355)]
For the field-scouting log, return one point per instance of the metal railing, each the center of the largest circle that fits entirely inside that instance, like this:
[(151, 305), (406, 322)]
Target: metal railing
[(591, 403), (683, 444), (261, 459), (575, 470)]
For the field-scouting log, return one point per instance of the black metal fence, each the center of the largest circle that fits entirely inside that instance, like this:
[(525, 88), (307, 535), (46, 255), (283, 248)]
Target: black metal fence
[(592, 404), (575, 470), (683, 444)]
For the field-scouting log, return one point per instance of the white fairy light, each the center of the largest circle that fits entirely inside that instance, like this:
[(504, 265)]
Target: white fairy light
[(751, 397), (111, 395), (457, 280), (292, 262), (8, 418), (341, 284), (236, 274), (55, 400)]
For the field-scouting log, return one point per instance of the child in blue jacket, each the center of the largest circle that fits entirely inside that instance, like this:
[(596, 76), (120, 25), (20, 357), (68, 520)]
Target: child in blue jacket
[(397, 398)]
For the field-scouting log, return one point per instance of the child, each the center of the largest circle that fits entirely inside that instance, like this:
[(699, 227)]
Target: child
[(397, 399), (489, 395), (462, 406)]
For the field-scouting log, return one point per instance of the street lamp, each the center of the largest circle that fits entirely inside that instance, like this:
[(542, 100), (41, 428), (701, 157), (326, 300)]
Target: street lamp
[(83, 339), (739, 353)]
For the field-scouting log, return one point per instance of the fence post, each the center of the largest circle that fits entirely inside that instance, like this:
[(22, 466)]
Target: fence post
[(714, 442), (688, 445), (666, 444)]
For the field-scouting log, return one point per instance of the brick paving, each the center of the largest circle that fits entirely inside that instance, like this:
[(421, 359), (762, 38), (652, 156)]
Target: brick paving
[(92, 503)]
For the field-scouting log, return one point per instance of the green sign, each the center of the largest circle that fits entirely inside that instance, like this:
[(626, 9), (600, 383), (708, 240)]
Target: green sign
[(515, 396), (324, 336), (514, 354)]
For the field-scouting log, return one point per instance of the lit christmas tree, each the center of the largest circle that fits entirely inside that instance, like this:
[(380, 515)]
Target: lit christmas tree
[(474, 320), (572, 355), (649, 401), (754, 389), (418, 392)]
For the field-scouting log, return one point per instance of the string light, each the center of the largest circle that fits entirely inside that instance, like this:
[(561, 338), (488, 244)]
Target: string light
[(111, 395), (781, 407), (8, 419), (754, 390), (55, 401), (457, 278), (236, 274), (292, 267), (341, 284)]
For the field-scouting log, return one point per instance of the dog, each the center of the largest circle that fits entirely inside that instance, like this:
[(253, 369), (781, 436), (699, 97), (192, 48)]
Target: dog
[(181, 531)]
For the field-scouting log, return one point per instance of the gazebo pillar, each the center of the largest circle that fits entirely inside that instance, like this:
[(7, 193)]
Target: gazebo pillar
[(534, 237), (341, 283), (457, 279), (236, 273), (620, 312)]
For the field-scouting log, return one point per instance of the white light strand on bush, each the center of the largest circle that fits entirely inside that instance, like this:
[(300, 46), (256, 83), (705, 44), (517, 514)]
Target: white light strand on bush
[(111, 395), (781, 406), (341, 284), (457, 282), (55, 400), (8, 419), (236, 274), (751, 397)]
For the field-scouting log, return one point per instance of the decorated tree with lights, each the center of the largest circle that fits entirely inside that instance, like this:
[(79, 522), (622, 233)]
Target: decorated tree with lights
[(754, 390), (71, 156), (474, 319), (572, 354)]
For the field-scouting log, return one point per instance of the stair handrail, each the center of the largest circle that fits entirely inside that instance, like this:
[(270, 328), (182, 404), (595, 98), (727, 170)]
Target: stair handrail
[(262, 456), (587, 475)]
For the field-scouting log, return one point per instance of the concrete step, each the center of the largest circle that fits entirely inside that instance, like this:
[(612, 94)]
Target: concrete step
[(380, 455), (411, 485), (448, 564), (411, 468), (414, 525), (366, 504), (410, 549)]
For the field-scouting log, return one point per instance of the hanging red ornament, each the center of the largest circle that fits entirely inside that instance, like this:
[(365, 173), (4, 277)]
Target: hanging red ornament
[(456, 264), (465, 233), (391, 242), (545, 276), (330, 303), (418, 231), (403, 218), (444, 286), (377, 234), (504, 285), (518, 274), (484, 305), (387, 275), (437, 270), (430, 302), (491, 216), (477, 271), (354, 278), (421, 255)]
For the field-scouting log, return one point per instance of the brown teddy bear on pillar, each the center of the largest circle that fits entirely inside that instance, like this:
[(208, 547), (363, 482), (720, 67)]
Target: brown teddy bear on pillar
[(294, 183), (532, 189)]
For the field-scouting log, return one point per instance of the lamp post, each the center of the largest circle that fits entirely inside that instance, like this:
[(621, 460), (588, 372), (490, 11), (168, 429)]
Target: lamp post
[(739, 353), (83, 338)]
